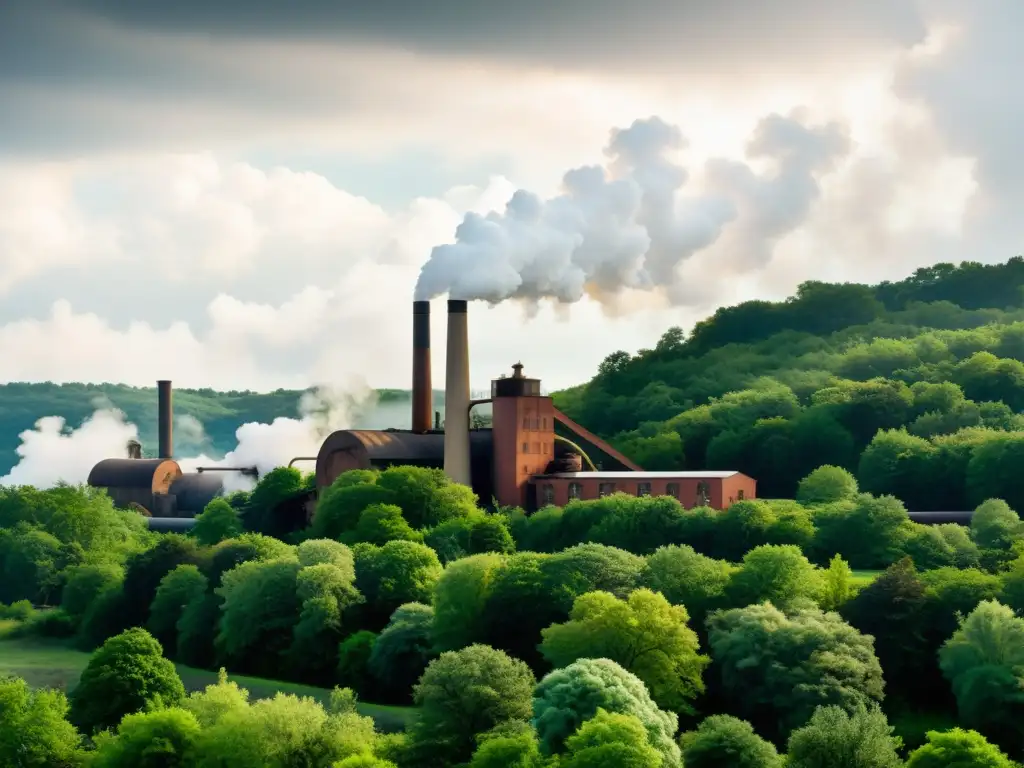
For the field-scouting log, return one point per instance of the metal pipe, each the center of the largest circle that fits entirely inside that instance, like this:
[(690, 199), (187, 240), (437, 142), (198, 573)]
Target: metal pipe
[(456, 395), (422, 381), (580, 451), (247, 471), (301, 458), (165, 424)]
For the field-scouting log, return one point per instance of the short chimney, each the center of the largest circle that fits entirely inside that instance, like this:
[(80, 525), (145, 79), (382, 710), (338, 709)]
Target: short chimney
[(456, 395), (165, 411)]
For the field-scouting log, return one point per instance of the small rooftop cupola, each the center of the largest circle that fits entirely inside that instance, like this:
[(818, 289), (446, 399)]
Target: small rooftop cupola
[(516, 385)]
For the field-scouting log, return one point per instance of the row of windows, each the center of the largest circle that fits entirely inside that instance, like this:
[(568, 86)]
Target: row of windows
[(535, 447), (703, 495), (535, 422)]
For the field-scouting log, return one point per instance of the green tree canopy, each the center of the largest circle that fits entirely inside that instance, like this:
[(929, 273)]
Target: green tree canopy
[(611, 739), (836, 738), (994, 525), (463, 693), (177, 589), (777, 668), (645, 634), (778, 574), (402, 651), (33, 730), (127, 674), (725, 740), (826, 484), (686, 577), (160, 739), (568, 697), (218, 521), (958, 748), (984, 663)]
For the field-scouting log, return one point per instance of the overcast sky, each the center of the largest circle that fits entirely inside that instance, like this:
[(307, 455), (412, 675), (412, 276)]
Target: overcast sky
[(241, 194)]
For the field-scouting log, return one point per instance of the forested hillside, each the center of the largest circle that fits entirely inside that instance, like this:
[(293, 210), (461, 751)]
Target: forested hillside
[(916, 386)]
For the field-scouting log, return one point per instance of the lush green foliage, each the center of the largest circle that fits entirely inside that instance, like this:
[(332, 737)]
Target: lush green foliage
[(127, 674), (33, 730), (775, 390), (385, 616)]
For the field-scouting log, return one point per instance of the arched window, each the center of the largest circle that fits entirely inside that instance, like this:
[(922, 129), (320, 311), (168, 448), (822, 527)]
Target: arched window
[(672, 489), (549, 493), (575, 491)]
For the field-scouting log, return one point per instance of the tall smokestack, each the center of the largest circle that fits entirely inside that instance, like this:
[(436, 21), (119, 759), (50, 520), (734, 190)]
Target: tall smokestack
[(456, 396), (164, 426), (422, 382)]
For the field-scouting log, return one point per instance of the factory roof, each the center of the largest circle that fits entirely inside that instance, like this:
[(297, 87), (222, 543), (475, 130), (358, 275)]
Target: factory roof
[(367, 448), (391, 445), (711, 474), (155, 474)]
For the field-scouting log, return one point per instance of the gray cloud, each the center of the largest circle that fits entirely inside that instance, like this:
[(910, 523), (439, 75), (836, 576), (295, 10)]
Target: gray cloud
[(570, 32), (970, 90), (95, 74)]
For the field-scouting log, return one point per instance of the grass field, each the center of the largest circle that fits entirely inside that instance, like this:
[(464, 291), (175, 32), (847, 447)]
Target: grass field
[(863, 578), (51, 664)]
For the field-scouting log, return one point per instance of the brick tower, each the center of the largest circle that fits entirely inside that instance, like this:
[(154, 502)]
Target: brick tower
[(523, 431)]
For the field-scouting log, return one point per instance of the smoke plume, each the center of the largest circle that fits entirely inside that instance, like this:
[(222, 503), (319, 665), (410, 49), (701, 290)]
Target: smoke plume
[(631, 224), (189, 434), (52, 453), (322, 410)]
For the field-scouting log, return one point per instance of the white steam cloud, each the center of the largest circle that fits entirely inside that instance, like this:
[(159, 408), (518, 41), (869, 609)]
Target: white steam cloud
[(52, 453), (267, 446), (630, 225)]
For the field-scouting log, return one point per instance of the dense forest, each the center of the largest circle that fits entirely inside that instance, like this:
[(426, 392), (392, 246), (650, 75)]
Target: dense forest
[(916, 386), (829, 631)]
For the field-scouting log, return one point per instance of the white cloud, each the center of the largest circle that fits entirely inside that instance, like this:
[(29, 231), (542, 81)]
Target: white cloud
[(280, 278)]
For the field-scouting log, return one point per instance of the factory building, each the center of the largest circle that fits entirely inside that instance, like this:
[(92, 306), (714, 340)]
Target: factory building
[(693, 489), (530, 456)]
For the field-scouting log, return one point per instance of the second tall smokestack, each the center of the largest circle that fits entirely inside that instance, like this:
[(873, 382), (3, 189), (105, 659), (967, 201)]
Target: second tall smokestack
[(422, 382), (165, 434), (456, 396)]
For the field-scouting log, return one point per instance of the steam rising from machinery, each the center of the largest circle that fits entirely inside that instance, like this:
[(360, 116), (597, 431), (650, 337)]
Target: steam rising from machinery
[(630, 225), (52, 453)]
